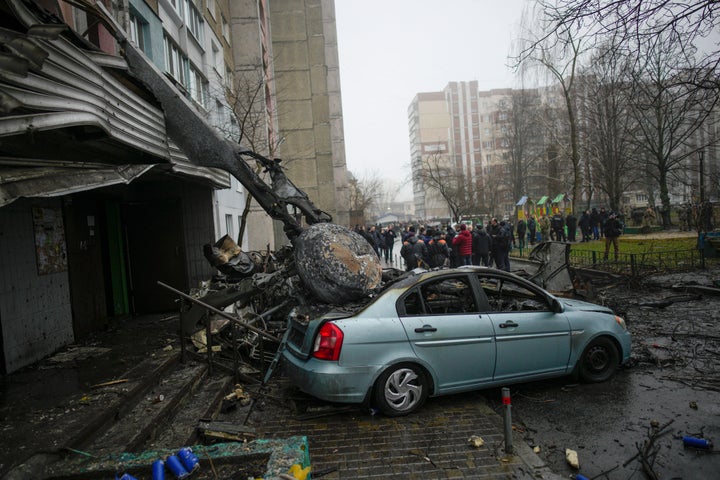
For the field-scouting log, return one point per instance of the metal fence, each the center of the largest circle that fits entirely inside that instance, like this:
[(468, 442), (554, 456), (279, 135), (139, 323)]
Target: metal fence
[(636, 264)]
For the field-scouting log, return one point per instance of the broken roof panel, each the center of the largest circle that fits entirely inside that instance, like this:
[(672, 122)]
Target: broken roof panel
[(78, 107)]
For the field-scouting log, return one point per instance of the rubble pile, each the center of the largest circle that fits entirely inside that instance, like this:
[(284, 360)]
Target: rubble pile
[(243, 310)]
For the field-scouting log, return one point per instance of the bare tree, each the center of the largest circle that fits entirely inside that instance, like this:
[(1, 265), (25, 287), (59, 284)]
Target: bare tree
[(522, 135), (250, 126), (640, 22), (457, 190), (669, 112), (559, 52), (608, 126), (363, 194)]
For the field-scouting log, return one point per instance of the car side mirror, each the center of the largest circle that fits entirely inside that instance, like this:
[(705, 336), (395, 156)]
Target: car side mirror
[(556, 306)]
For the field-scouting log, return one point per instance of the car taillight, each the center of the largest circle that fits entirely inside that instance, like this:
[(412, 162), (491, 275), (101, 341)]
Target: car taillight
[(328, 343)]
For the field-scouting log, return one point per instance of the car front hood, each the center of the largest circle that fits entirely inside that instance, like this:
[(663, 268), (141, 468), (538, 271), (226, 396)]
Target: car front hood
[(573, 305)]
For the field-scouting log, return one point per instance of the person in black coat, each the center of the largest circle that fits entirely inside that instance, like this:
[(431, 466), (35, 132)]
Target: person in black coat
[(585, 226), (613, 229), (557, 224), (414, 251), (571, 223), (389, 240), (521, 229), (481, 246), (595, 223), (532, 229)]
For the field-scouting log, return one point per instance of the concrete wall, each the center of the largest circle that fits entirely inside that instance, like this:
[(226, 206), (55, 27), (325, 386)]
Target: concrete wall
[(198, 230), (304, 44), (35, 313)]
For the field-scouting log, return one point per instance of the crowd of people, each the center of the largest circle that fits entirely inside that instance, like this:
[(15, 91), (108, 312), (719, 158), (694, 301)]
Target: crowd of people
[(491, 244), (450, 246)]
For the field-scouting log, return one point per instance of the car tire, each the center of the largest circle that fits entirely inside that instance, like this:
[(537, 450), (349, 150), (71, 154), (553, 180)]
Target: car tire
[(599, 361), (401, 390)]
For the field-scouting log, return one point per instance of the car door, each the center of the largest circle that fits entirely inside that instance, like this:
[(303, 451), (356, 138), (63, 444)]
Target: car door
[(530, 338), (448, 333)]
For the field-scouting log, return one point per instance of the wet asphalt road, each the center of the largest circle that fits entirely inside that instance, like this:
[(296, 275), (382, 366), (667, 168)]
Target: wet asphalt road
[(673, 379)]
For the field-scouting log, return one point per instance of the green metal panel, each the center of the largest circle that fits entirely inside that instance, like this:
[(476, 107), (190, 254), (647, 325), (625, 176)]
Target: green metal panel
[(118, 274)]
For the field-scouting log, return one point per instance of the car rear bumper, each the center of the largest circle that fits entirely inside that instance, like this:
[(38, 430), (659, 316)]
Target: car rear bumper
[(328, 380)]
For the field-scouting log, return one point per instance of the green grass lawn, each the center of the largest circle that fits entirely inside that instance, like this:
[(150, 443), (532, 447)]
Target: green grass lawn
[(640, 244)]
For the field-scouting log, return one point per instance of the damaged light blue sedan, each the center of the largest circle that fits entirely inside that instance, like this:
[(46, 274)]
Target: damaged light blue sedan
[(448, 331)]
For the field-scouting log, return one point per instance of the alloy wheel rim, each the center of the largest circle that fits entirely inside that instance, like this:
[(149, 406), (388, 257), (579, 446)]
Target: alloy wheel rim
[(401, 390)]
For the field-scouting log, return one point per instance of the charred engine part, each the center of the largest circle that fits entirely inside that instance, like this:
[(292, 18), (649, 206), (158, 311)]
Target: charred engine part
[(337, 264), (228, 258)]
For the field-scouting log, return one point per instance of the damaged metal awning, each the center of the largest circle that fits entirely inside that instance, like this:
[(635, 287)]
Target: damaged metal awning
[(18, 182), (72, 114)]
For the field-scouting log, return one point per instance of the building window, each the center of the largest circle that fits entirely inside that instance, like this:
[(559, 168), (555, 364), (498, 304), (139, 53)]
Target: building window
[(215, 57), (180, 68), (225, 28), (178, 6), (189, 14), (193, 19), (211, 8), (229, 225), (197, 86), (176, 63), (137, 31), (229, 77)]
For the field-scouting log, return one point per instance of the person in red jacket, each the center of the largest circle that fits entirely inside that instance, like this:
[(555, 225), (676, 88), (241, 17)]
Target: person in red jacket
[(463, 243)]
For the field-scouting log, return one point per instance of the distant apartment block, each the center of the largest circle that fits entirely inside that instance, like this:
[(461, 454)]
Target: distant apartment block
[(429, 123)]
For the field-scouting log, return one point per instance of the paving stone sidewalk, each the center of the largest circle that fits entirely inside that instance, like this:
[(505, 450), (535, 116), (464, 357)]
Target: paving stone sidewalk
[(353, 443)]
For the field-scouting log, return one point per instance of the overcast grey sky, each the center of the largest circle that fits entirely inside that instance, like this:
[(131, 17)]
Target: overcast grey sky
[(390, 50)]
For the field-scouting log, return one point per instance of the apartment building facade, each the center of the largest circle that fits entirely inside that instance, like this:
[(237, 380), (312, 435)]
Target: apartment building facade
[(97, 203), (429, 123)]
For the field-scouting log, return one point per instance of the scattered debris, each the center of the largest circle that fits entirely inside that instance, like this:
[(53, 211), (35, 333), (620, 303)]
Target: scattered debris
[(225, 431), (695, 442), (298, 472), (476, 441), (684, 287), (110, 383), (536, 449), (231, 400), (571, 457), (75, 353), (648, 451)]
